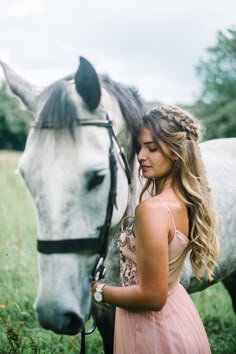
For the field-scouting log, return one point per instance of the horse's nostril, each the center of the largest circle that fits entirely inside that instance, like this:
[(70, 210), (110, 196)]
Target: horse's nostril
[(61, 322), (74, 322)]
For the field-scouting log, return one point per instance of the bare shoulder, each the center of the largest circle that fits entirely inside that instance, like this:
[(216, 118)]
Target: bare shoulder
[(154, 213), (150, 206), (151, 213), (178, 211)]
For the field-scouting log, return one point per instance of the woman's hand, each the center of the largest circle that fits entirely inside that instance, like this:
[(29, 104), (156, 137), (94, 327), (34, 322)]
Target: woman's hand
[(94, 286)]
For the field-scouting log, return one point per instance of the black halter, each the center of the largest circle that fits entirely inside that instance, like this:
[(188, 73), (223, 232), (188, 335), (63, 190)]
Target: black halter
[(94, 245)]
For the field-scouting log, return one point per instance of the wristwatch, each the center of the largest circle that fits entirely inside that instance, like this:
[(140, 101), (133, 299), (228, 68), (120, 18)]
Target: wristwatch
[(98, 293)]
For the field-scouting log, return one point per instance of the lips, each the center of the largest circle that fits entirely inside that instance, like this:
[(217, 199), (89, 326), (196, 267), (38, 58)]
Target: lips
[(144, 167)]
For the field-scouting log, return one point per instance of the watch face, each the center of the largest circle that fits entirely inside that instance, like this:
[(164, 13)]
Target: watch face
[(98, 296)]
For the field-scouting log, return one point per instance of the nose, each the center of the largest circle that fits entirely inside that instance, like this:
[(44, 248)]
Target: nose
[(141, 155), (60, 322)]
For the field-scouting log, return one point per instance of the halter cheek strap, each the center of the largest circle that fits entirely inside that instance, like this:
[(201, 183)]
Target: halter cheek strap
[(94, 245)]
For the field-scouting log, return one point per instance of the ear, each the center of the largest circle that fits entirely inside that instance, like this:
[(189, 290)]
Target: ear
[(26, 92), (87, 84)]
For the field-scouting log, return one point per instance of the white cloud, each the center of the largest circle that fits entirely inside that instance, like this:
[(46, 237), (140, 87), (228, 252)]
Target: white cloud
[(152, 44), (21, 8)]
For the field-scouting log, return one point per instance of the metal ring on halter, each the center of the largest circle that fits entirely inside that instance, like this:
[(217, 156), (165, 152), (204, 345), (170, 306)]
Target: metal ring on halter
[(92, 329)]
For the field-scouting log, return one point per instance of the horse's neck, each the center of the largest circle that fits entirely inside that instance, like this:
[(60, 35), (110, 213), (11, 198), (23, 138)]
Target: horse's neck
[(125, 140), (135, 190)]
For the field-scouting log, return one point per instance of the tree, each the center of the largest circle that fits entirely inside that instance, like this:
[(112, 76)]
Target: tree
[(218, 72), (217, 103), (14, 122)]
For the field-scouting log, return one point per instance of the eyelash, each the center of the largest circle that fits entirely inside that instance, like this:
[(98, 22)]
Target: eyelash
[(150, 150)]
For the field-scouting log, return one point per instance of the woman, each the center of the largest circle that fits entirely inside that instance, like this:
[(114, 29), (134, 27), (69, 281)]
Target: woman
[(154, 312)]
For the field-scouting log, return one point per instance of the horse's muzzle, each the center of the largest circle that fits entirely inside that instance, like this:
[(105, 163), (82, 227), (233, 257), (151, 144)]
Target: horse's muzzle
[(59, 322)]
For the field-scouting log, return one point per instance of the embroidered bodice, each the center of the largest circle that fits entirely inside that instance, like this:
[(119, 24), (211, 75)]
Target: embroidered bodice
[(177, 251), (128, 265)]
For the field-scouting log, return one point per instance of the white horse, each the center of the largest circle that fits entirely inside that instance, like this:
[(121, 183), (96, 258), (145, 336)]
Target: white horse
[(68, 166)]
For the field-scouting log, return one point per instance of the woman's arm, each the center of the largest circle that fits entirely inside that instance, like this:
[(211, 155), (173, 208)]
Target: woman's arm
[(151, 231)]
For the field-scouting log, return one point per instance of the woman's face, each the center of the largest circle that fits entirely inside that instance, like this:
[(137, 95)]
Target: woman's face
[(151, 159)]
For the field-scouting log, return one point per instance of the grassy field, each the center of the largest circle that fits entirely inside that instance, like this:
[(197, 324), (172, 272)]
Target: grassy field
[(19, 331)]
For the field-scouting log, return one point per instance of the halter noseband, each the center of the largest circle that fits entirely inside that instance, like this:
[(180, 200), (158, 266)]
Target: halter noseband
[(94, 245)]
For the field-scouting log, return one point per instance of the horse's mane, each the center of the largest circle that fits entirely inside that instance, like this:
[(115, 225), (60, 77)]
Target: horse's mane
[(59, 111), (130, 101)]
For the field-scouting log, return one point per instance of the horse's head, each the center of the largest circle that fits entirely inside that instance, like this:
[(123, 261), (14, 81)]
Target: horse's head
[(67, 167)]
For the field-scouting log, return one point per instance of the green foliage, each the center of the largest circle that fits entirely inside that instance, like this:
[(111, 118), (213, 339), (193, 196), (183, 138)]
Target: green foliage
[(14, 122), (218, 72), (219, 120), (218, 318), (217, 105)]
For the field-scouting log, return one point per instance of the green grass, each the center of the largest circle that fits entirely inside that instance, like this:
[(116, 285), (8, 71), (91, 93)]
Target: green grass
[(215, 308), (19, 331)]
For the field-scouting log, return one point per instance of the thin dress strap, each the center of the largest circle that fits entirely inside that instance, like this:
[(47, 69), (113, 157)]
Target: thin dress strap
[(168, 211)]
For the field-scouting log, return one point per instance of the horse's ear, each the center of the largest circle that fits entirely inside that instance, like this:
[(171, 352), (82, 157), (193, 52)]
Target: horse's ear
[(21, 88), (87, 84)]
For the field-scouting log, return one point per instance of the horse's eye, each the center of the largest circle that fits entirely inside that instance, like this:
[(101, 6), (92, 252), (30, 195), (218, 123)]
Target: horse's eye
[(95, 181)]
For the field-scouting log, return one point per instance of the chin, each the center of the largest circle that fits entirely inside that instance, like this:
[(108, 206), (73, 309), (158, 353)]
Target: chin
[(148, 175)]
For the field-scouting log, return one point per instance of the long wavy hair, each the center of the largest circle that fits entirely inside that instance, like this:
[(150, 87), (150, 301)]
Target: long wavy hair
[(180, 131)]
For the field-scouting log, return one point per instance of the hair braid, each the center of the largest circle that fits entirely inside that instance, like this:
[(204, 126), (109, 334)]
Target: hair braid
[(184, 120)]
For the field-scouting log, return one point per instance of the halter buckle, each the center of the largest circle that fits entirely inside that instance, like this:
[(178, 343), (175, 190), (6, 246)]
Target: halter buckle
[(100, 270)]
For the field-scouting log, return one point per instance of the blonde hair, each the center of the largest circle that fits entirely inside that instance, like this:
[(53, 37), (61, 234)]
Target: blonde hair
[(180, 131)]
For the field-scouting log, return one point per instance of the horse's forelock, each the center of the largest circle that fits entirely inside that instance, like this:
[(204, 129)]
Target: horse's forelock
[(58, 109)]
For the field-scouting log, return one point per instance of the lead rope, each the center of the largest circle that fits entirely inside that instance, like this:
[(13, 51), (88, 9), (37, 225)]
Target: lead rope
[(82, 347), (84, 333)]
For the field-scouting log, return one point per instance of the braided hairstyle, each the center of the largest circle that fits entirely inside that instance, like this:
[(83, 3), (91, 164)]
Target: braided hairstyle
[(181, 132)]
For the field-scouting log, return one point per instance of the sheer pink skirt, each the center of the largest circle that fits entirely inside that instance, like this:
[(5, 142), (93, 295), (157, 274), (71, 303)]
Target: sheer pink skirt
[(176, 329)]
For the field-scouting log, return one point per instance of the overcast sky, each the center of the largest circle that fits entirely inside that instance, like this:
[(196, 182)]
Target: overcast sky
[(152, 44)]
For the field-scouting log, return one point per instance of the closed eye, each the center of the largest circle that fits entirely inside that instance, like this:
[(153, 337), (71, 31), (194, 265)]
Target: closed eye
[(153, 149), (95, 179)]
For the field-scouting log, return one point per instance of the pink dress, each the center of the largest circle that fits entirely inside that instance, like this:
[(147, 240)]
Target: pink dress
[(177, 328)]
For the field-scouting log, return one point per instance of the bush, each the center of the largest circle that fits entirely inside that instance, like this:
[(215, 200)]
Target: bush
[(14, 122)]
